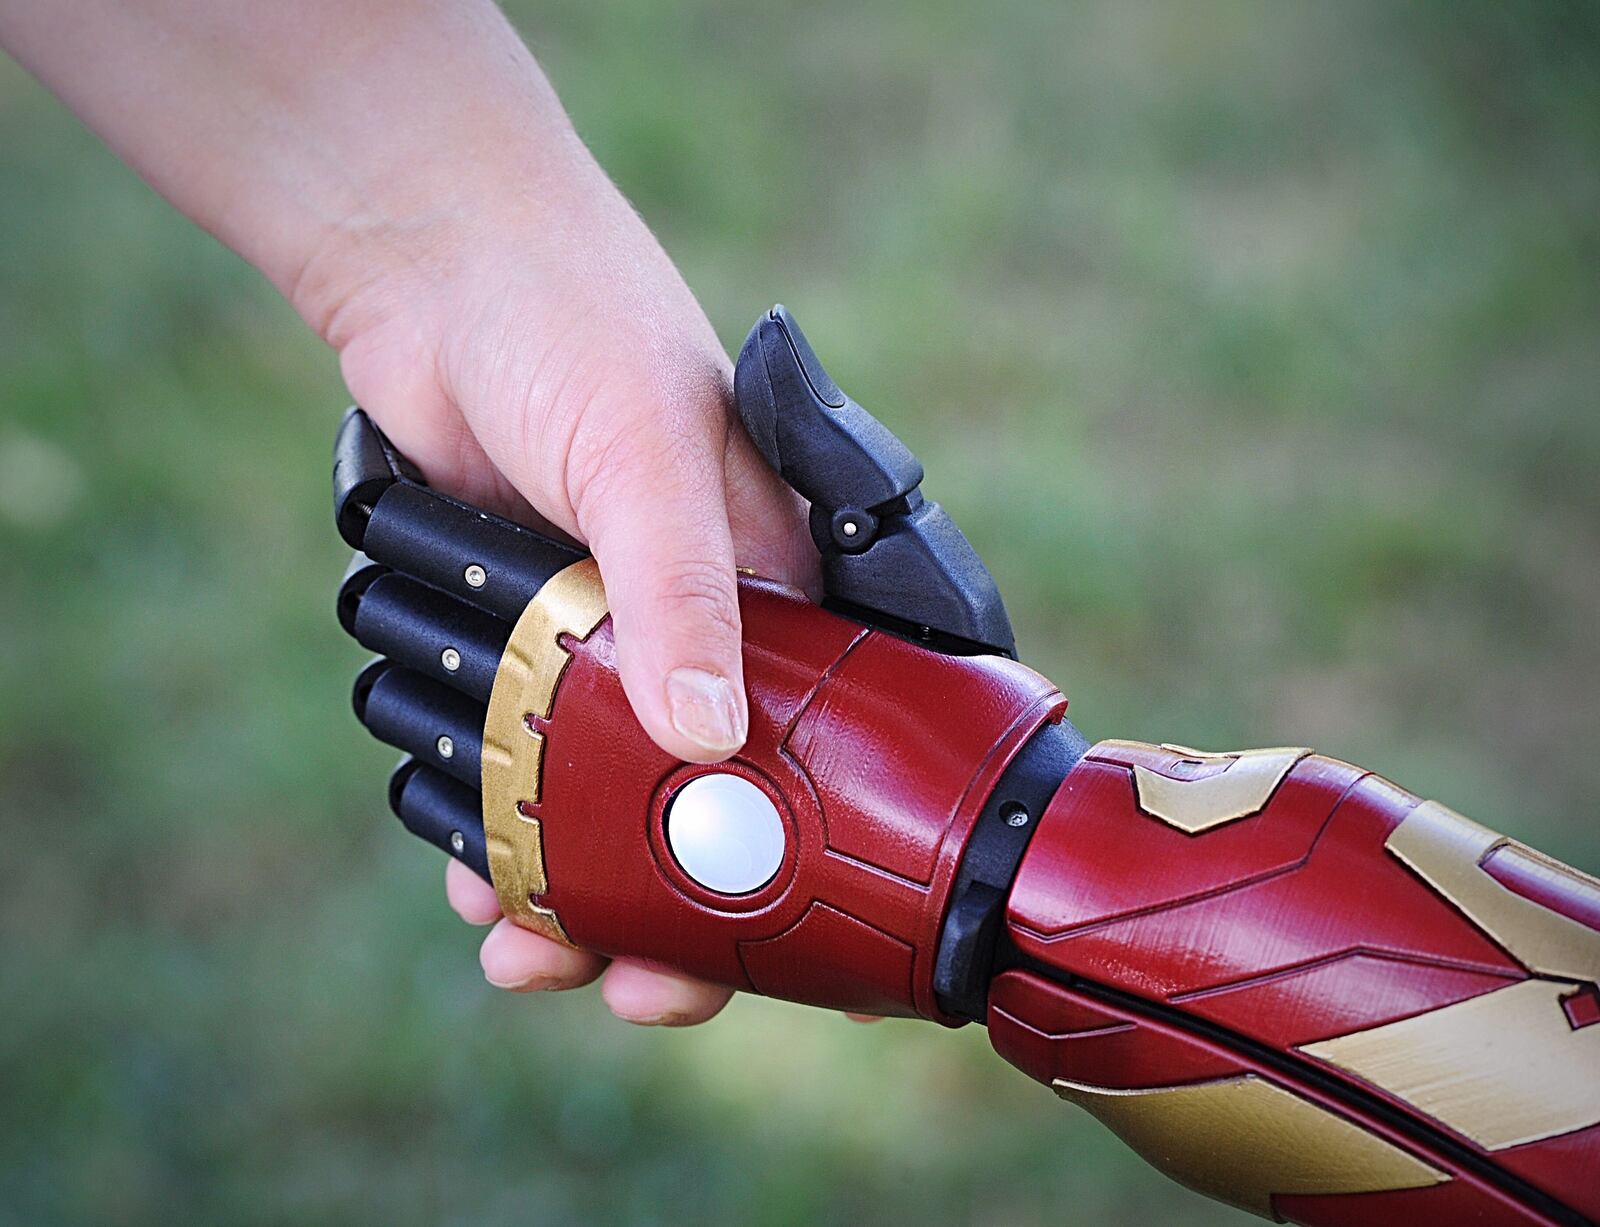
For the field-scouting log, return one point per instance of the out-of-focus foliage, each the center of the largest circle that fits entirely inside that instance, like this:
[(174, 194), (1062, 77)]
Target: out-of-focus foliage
[(1256, 345)]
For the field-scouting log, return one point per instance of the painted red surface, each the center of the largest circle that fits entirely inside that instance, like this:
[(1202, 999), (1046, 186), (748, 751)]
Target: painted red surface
[(1549, 884), (1282, 928), (1254, 938), (1116, 896), (1454, 1204), (1123, 1050), (1570, 1163), (1049, 1032), (1582, 1006), (879, 756)]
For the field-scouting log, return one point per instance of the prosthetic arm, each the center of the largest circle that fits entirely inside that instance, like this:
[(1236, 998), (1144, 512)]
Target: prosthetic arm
[(1285, 981)]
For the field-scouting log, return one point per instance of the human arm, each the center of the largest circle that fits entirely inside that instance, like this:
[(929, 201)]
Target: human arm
[(405, 175)]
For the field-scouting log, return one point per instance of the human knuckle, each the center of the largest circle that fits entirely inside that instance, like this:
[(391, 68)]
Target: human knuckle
[(704, 589), (615, 453)]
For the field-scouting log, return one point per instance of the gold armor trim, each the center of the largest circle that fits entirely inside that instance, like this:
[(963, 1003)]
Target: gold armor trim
[(572, 602), (1446, 851), (1195, 806), (1244, 1139), (1503, 1068)]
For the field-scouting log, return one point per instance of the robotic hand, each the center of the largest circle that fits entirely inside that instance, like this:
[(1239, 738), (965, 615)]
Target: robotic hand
[(1286, 982)]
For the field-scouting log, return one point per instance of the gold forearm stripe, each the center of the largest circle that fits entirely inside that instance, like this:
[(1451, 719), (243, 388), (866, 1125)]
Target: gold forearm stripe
[(572, 602), (1503, 1068), (1243, 1139), (1447, 852), (1241, 791)]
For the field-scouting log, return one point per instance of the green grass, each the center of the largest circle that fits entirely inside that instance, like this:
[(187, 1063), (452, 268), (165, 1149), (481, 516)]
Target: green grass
[(1253, 344)]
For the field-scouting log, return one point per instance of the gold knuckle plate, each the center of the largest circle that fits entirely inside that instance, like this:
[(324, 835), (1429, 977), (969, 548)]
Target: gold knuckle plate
[(572, 602)]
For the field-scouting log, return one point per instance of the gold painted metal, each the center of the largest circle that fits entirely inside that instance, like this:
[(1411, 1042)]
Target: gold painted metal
[(1243, 1139), (1194, 806), (572, 602), (1503, 1068), (1447, 850)]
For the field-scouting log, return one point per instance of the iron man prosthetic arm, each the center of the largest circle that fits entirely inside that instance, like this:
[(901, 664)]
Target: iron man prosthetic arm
[(1286, 982)]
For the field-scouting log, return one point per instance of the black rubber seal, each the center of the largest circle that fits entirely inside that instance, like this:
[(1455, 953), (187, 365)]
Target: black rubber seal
[(975, 920)]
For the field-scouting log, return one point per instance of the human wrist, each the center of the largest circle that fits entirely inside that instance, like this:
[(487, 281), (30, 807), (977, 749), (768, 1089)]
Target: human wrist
[(399, 235)]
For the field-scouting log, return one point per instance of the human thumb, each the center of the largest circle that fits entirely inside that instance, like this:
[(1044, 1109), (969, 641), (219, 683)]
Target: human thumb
[(655, 514)]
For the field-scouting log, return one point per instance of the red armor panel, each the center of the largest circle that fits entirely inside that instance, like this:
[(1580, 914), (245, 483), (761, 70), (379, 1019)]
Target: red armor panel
[(1282, 929), (1127, 1052), (877, 800), (1286, 981)]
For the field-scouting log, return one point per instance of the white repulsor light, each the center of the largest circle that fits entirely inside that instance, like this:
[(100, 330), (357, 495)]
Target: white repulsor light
[(725, 833)]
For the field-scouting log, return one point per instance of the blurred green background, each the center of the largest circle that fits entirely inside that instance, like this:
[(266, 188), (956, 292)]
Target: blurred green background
[(1256, 345)]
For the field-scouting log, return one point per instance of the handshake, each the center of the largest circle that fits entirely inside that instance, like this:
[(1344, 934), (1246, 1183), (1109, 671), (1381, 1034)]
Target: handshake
[(1288, 983)]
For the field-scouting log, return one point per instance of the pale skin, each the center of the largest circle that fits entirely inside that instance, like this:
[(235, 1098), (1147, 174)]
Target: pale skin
[(404, 174)]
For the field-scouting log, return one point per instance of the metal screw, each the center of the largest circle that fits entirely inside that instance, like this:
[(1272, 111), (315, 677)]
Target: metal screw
[(476, 576), (450, 659), (446, 747), (849, 528), (1016, 816), (457, 842)]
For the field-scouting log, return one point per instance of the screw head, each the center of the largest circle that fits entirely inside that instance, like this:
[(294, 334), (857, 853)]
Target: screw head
[(450, 659), (476, 576), (457, 842), (446, 747), (1016, 815), (849, 528)]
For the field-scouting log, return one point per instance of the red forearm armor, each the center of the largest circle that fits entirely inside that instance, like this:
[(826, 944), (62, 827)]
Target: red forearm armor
[(1285, 981), (1298, 988)]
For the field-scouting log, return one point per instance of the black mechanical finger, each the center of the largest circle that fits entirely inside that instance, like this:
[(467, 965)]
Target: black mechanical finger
[(384, 510), (479, 558), (431, 722), (440, 810), (358, 577), (890, 557), (430, 632), (365, 464)]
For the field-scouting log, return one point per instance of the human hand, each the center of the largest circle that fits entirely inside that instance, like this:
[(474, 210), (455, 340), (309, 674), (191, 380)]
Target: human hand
[(586, 384), (405, 175)]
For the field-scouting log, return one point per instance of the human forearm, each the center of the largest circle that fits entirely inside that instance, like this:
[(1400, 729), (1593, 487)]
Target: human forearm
[(405, 175), (327, 144)]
